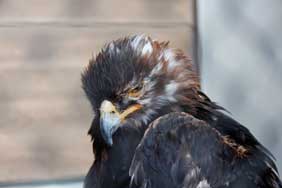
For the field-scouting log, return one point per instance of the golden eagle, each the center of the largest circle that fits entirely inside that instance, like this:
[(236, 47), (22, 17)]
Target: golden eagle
[(153, 127)]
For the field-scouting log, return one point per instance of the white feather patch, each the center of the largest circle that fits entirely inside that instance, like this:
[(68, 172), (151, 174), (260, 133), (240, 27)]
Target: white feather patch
[(135, 43), (157, 69), (170, 57), (273, 170), (203, 184), (147, 49), (171, 89), (113, 48)]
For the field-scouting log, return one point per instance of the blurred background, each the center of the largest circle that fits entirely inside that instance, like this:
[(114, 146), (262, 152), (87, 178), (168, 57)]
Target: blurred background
[(44, 45)]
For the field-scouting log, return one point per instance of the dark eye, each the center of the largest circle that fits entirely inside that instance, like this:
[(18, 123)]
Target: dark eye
[(137, 88), (135, 92)]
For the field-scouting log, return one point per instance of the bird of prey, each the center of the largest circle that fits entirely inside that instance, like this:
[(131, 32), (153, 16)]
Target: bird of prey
[(153, 127)]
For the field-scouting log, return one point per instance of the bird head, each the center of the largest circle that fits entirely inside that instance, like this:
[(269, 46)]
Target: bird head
[(137, 78)]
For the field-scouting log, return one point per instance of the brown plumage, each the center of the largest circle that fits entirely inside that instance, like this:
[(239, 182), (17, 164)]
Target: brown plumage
[(150, 116)]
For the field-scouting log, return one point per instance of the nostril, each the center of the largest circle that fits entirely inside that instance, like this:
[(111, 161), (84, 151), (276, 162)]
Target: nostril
[(112, 112)]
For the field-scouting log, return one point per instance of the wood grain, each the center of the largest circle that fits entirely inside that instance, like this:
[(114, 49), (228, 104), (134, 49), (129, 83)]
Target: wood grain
[(98, 10), (44, 45)]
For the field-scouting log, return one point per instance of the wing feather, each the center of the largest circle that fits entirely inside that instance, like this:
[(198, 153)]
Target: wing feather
[(179, 150)]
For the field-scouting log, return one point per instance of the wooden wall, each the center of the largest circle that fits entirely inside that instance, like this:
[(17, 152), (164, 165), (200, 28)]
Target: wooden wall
[(44, 45)]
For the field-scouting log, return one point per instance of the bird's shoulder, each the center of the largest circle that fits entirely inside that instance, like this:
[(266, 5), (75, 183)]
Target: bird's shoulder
[(179, 150)]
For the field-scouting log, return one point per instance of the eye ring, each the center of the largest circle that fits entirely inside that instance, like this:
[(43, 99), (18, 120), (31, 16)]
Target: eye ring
[(135, 92), (137, 88)]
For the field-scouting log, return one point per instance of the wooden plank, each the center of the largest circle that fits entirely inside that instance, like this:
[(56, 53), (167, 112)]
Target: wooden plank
[(44, 113), (98, 10), (43, 129), (72, 46)]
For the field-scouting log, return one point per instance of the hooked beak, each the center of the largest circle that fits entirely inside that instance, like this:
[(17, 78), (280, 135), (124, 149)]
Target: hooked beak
[(111, 119)]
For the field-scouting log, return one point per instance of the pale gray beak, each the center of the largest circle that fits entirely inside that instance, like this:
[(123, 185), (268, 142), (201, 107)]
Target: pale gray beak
[(111, 119)]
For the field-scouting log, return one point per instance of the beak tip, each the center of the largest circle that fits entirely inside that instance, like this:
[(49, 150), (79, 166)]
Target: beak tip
[(108, 126), (107, 139), (110, 142)]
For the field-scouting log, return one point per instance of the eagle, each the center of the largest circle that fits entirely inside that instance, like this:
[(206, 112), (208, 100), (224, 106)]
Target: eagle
[(153, 126)]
